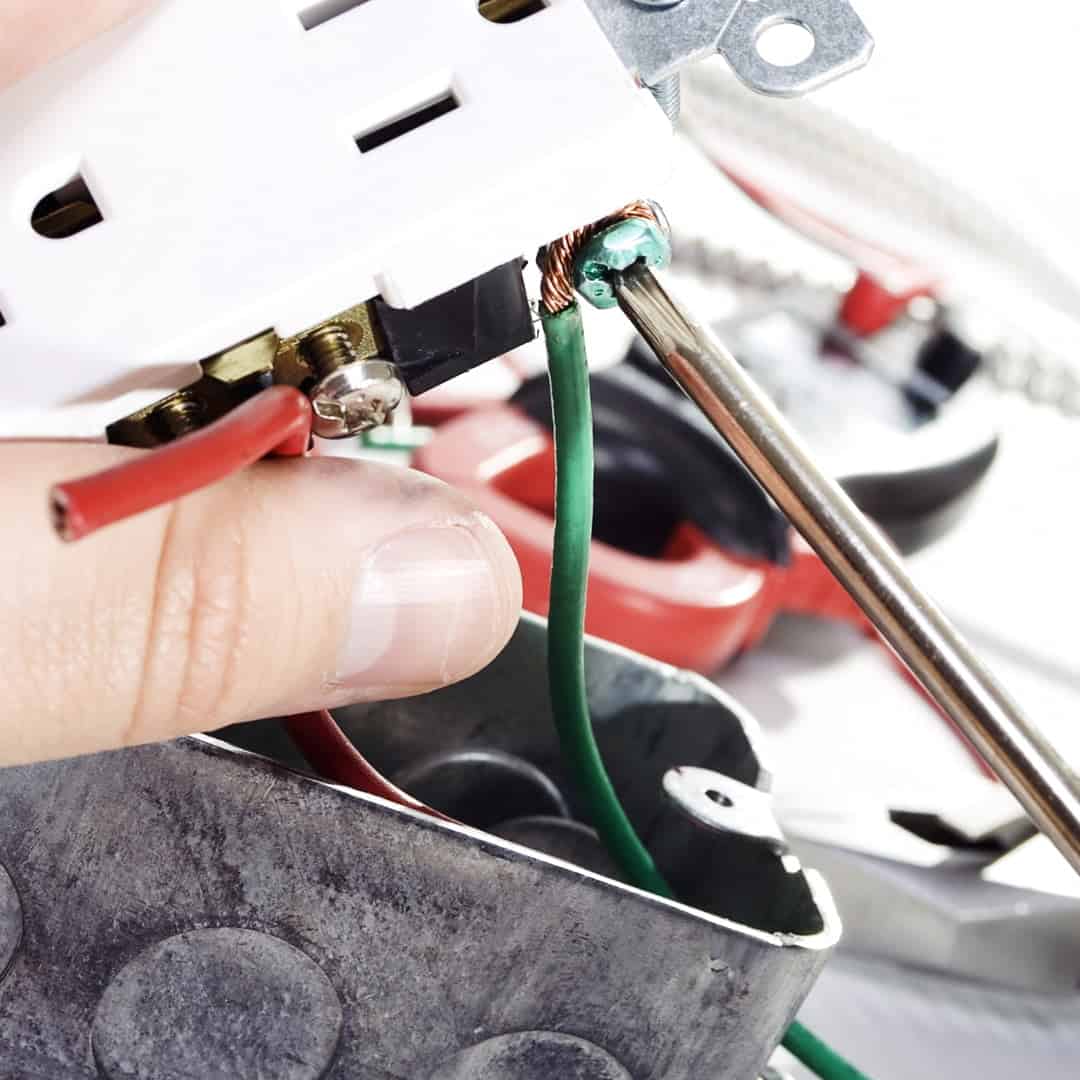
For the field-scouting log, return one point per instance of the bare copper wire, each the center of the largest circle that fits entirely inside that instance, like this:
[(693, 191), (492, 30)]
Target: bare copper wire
[(557, 282)]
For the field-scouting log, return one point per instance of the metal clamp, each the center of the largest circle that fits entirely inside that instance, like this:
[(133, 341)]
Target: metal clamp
[(656, 41), (724, 805), (228, 913), (842, 44)]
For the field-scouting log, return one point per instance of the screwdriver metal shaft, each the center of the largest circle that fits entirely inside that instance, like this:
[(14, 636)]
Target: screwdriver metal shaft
[(860, 556)]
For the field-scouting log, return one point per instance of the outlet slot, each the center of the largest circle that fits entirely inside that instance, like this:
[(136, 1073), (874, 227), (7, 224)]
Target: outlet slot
[(67, 211), (510, 11), (380, 136), (3, 321), (326, 11)]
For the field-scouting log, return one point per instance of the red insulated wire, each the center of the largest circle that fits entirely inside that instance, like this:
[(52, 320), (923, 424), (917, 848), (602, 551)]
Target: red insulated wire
[(277, 420), (332, 755), (905, 275)]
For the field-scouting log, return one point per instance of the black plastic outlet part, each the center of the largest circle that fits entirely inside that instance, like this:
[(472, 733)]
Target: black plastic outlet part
[(460, 329), (948, 360)]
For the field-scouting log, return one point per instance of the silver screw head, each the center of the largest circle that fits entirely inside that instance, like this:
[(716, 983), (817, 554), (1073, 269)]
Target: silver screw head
[(355, 398)]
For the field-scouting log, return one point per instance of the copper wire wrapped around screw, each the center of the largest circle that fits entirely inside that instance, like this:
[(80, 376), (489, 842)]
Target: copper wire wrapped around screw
[(557, 283)]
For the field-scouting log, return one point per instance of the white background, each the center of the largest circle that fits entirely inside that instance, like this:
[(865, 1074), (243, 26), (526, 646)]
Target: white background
[(987, 93)]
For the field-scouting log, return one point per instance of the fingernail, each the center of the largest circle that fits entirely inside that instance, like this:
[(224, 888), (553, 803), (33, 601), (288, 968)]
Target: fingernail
[(430, 606)]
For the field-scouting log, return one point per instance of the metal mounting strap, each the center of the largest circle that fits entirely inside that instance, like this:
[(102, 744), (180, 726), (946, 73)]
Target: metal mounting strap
[(842, 44), (656, 38)]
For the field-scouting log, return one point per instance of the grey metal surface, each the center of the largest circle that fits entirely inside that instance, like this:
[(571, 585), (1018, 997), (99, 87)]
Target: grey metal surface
[(724, 805), (356, 397), (946, 918), (177, 1008), (841, 44), (649, 719), (11, 920), (514, 1057), (168, 889), (562, 839), (899, 1023), (668, 95), (481, 786), (774, 1073), (857, 553), (656, 41)]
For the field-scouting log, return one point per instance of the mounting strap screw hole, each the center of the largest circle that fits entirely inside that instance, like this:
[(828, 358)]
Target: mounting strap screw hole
[(784, 42), (718, 797)]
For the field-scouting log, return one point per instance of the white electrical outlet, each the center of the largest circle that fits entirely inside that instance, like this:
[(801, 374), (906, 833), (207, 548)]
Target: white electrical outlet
[(239, 159)]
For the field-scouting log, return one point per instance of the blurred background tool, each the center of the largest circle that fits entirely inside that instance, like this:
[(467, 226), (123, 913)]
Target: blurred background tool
[(860, 557)]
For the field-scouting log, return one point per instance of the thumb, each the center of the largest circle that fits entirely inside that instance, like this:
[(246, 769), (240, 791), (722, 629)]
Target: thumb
[(292, 586), (32, 32)]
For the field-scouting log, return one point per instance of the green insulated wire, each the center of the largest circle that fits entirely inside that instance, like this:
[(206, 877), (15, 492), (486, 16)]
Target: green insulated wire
[(572, 412), (818, 1056)]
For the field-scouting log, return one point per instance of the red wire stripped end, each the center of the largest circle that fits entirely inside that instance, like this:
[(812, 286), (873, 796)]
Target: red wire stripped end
[(332, 755), (278, 420)]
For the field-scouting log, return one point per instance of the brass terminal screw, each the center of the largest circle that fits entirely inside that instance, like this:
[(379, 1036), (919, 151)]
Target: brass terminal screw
[(329, 348), (352, 395), (178, 415)]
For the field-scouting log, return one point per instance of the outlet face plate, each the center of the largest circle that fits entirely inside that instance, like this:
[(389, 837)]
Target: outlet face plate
[(219, 142)]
